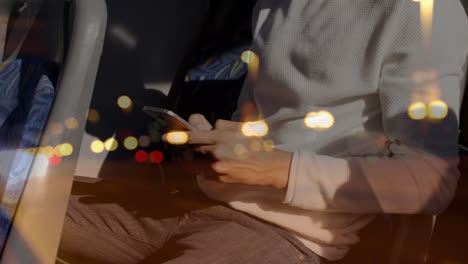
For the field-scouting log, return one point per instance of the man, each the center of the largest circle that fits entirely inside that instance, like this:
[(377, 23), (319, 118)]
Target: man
[(361, 105)]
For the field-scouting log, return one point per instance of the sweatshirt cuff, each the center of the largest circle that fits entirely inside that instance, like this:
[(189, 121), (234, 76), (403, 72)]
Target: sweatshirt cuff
[(314, 180), (302, 186)]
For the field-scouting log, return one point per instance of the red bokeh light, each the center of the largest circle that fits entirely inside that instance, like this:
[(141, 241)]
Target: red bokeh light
[(156, 157), (141, 156), (55, 160)]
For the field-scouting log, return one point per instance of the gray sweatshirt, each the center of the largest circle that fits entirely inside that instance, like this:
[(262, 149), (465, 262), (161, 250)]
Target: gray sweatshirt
[(365, 62)]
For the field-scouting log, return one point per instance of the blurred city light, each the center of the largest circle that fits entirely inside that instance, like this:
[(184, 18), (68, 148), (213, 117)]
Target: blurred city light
[(64, 150), (93, 116), (144, 141), (177, 138), (71, 123), (111, 144), (437, 110), (427, 17), (268, 145), (141, 156), (55, 160), (124, 102), (97, 146), (319, 120), (417, 111), (249, 57), (241, 151), (253, 62), (156, 157), (48, 151), (56, 128), (255, 129), (131, 143), (256, 146)]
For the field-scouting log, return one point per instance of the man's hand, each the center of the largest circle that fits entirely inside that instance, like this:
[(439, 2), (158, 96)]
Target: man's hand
[(238, 158)]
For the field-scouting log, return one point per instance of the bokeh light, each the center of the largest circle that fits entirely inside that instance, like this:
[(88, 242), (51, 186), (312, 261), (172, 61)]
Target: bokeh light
[(255, 129), (97, 146), (177, 137), (417, 111), (437, 110), (124, 102), (131, 143), (256, 146), (144, 141), (156, 157), (56, 128), (427, 17), (48, 151), (268, 145), (319, 120), (55, 160), (111, 144), (64, 150), (93, 116), (141, 156), (241, 151), (251, 59), (249, 56), (71, 123)]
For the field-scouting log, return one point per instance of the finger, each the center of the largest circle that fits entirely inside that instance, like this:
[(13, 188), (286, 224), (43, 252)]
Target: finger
[(227, 179), (202, 137), (226, 125), (221, 167), (205, 149), (216, 151), (200, 122)]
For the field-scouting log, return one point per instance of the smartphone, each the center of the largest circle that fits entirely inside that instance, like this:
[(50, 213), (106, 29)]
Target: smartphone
[(174, 121)]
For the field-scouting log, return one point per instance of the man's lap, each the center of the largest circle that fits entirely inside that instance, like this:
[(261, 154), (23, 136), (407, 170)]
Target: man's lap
[(168, 229)]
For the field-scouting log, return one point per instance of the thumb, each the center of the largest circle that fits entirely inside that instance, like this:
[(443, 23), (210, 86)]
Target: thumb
[(200, 122)]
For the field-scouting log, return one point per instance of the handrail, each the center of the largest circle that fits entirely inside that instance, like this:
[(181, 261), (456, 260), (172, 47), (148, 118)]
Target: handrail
[(36, 231)]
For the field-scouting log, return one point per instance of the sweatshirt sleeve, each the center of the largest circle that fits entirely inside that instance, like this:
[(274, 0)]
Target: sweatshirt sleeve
[(418, 173)]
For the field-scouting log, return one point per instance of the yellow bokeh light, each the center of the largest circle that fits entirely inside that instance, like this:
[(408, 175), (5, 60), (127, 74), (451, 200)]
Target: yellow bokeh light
[(97, 146), (124, 102), (255, 129), (131, 143), (71, 123), (256, 146), (437, 110), (39, 151), (56, 128), (64, 150), (249, 57), (268, 145), (177, 138), (93, 116), (111, 144), (48, 151), (427, 17), (241, 151), (417, 111), (319, 120), (253, 62)]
